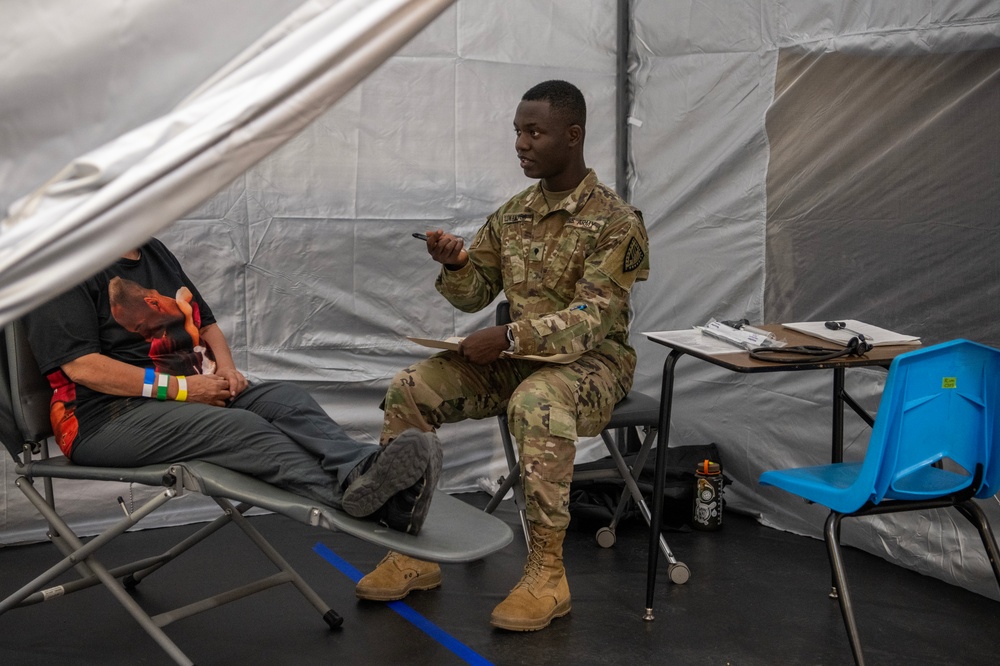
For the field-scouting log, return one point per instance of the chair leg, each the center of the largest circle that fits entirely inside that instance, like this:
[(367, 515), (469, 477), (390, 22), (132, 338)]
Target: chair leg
[(522, 503), (840, 578), (139, 572), (621, 435), (678, 571), (85, 553), (505, 486), (833, 576), (975, 514), (329, 615), (75, 553), (512, 480), (606, 535)]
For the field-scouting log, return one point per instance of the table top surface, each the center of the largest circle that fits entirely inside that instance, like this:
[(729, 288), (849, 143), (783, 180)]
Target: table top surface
[(740, 361)]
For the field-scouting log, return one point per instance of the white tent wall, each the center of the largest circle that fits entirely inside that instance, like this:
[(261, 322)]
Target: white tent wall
[(308, 260), (703, 93)]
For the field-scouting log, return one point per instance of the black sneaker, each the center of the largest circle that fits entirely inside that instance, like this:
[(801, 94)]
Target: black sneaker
[(396, 467), (406, 510)]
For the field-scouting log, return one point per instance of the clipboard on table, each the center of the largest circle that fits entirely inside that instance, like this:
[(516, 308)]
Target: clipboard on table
[(451, 344), (875, 336)]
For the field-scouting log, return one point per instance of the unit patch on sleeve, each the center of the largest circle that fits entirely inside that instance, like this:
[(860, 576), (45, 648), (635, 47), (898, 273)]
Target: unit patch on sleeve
[(633, 256)]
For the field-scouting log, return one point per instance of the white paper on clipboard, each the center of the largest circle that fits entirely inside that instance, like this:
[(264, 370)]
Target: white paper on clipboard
[(875, 336)]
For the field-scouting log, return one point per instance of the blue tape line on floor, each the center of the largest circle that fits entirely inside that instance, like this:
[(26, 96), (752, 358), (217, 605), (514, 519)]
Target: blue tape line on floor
[(463, 651)]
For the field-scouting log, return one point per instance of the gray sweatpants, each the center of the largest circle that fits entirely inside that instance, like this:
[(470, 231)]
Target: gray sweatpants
[(274, 431)]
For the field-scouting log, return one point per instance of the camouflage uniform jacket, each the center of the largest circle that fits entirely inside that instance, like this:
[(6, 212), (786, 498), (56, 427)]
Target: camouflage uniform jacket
[(566, 272)]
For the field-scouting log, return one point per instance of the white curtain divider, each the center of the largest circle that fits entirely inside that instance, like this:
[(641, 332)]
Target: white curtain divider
[(115, 198)]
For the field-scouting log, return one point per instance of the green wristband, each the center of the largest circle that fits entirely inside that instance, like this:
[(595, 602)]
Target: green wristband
[(161, 387)]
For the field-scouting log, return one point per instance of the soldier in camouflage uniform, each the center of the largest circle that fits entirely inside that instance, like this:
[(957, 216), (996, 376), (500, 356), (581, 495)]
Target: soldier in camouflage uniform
[(565, 252)]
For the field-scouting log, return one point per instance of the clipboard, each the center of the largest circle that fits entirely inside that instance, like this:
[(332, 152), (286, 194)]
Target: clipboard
[(874, 335), (451, 344)]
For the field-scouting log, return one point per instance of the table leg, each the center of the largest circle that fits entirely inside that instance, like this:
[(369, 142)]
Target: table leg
[(858, 409), (837, 448), (663, 437)]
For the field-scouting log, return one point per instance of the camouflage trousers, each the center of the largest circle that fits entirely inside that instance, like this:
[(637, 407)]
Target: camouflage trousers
[(548, 406)]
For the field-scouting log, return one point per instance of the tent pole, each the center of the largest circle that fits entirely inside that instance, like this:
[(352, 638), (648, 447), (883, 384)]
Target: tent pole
[(622, 99)]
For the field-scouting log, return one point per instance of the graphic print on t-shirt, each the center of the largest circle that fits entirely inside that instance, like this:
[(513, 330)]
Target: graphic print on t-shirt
[(169, 324), (62, 410)]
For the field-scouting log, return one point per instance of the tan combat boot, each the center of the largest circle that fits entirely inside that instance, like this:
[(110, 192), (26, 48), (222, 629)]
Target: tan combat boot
[(542, 593), (396, 575)]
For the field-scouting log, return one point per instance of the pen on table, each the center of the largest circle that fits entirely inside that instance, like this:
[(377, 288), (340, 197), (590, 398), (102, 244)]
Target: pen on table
[(842, 326)]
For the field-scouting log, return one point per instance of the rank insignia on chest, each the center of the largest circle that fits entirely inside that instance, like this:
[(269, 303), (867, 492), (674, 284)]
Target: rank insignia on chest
[(588, 225), (633, 256)]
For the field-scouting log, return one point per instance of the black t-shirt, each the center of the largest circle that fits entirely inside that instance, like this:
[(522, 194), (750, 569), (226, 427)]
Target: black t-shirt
[(145, 312)]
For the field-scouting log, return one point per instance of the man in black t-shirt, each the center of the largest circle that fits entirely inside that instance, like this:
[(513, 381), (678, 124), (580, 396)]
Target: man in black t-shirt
[(140, 377)]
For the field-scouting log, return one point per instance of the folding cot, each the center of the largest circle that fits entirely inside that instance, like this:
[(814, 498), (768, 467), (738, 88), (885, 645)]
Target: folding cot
[(453, 532)]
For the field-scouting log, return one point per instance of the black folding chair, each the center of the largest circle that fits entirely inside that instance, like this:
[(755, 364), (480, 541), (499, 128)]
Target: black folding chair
[(636, 411)]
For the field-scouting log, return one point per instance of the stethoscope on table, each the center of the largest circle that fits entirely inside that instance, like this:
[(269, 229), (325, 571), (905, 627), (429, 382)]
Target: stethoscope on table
[(856, 346)]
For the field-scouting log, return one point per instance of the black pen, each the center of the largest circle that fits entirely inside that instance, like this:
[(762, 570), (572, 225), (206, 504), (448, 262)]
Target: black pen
[(423, 237)]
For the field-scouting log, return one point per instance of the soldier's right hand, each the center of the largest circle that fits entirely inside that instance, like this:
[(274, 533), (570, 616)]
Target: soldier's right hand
[(447, 249)]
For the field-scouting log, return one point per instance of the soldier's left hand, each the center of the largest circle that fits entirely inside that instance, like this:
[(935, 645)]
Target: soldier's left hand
[(484, 346)]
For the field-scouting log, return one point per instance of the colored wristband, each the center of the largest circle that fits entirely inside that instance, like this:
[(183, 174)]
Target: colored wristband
[(161, 387), (182, 389), (147, 383)]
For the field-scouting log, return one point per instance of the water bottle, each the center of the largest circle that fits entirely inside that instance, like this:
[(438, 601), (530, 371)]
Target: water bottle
[(707, 510)]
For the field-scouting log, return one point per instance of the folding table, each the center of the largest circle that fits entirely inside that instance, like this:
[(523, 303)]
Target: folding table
[(680, 344)]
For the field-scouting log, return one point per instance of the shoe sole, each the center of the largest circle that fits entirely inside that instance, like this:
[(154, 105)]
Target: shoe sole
[(563, 608), (425, 582), (398, 467), (423, 503)]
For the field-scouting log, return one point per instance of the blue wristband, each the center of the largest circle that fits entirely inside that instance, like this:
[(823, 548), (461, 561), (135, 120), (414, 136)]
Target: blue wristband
[(147, 383)]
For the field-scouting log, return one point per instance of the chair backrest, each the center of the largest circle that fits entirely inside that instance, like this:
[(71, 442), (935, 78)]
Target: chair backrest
[(936, 423), (29, 392), (503, 313)]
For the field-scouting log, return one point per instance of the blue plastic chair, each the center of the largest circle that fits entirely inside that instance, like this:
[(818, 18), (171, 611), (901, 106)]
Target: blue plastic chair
[(935, 443)]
